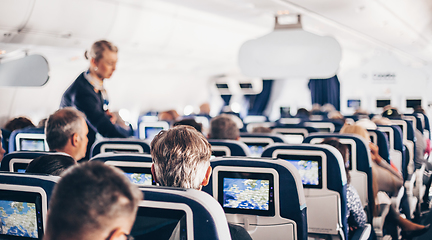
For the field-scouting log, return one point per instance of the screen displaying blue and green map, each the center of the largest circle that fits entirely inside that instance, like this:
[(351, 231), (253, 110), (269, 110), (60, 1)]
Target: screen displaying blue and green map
[(18, 219), (246, 193), (309, 171), (140, 178)]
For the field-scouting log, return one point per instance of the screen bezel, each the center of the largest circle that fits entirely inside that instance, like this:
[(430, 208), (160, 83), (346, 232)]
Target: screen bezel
[(143, 125), (247, 175), (380, 101), (22, 140), (356, 102), (145, 204), (318, 159), (32, 136), (35, 197), (146, 128)]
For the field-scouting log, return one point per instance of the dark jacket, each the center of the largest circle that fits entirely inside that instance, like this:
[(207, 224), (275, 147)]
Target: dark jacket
[(82, 96)]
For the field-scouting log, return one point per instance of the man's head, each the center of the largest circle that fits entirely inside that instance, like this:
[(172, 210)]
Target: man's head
[(223, 127), (52, 164), (92, 201), (66, 131), (181, 158)]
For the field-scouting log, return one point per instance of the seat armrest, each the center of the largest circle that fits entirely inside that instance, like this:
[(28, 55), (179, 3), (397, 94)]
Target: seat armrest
[(362, 233)]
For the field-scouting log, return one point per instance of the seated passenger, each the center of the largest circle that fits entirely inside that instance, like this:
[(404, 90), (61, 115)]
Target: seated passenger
[(189, 122), (385, 178), (66, 131), (356, 215), (18, 123), (50, 164), (181, 158), (223, 127), (168, 116), (92, 201)]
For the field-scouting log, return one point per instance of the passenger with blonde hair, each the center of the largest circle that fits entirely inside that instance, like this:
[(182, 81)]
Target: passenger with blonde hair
[(386, 178)]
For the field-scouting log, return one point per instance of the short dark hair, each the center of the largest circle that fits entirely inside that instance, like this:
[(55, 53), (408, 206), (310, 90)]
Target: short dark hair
[(223, 127), (61, 125), (18, 123), (52, 164), (189, 122), (88, 198), (181, 157)]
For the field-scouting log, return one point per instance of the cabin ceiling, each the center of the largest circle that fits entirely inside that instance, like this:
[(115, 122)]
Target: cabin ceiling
[(401, 26)]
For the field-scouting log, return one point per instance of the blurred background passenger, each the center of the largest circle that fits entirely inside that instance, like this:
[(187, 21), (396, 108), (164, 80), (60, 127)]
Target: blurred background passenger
[(2, 150), (18, 123), (51, 164), (261, 130), (190, 122), (223, 127), (169, 116)]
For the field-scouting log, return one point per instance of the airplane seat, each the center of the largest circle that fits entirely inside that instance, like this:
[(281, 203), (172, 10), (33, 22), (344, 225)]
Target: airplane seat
[(378, 138), (119, 145), (149, 129), (18, 161), (326, 192), (221, 147), (279, 207), (360, 164), (253, 119), (28, 139), (137, 166), (5, 139), (179, 213), (31, 195), (256, 142), (293, 133), (326, 126)]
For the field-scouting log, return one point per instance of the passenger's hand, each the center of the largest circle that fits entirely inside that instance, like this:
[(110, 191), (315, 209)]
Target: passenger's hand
[(111, 116), (374, 152)]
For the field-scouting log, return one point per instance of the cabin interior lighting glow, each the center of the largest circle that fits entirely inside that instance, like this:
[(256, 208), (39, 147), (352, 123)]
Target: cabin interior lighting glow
[(236, 107), (125, 115), (188, 110), (2, 51)]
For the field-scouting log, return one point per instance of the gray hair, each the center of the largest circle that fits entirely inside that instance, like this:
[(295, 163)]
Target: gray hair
[(61, 125), (223, 127), (181, 157)]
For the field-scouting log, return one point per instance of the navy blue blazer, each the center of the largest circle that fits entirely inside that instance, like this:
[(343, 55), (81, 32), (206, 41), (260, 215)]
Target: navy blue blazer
[(82, 96)]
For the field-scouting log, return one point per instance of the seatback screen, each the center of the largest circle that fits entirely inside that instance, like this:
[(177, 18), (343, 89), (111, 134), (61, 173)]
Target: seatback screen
[(150, 132), (20, 215), (246, 193), (157, 223), (309, 167), (139, 175), (256, 149), (27, 144)]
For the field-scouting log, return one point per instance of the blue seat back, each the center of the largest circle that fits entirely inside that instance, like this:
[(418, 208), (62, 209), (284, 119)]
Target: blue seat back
[(409, 143), (381, 141), (258, 141), (293, 133), (17, 161), (16, 184), (137, 166), (395, 139), (147, 130), (289, 201), (331, 195), (229, 148), (204, 216), (360, 164), (119, 145), (30, 135), (5, 139)]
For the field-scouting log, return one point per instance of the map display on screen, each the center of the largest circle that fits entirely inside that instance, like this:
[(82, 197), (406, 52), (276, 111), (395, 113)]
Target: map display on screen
[(246, 193), (32, 145), (140, 178), (18, 219), (309, 171), (256, 150)]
